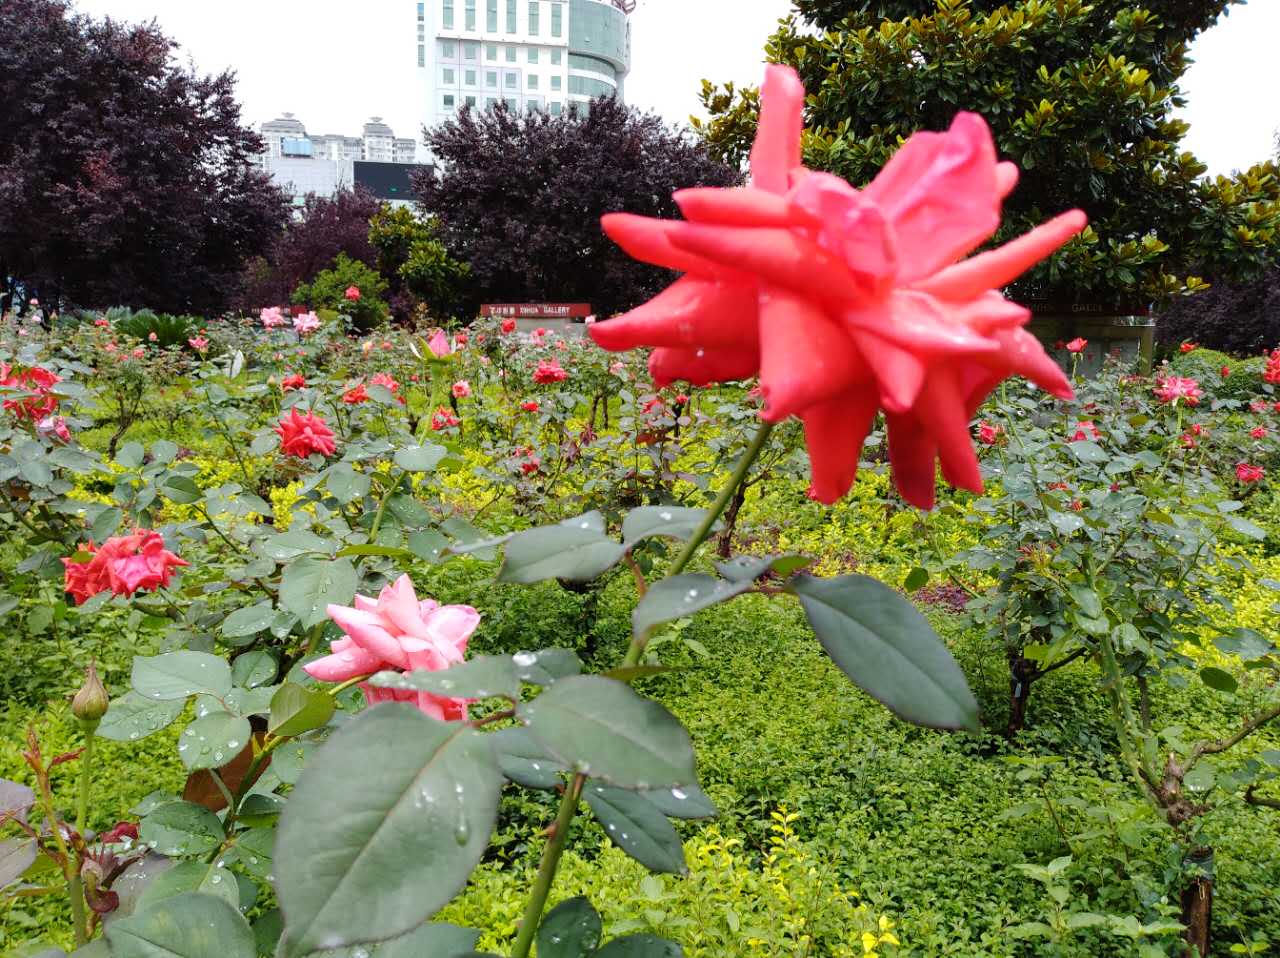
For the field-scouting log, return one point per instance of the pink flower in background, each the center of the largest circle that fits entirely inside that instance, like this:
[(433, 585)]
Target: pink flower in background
[(1249, 474), (54, 426), (1172, 388), (617, 368), (386, 344), (439, 344), (847, 302), (198, 343), (443, 419), (461, 339), (355, 395), (461, 389), (549, 371), (122, 565), (397, 631), (1258, 432), (988, 433), (1189, 441), (102, 322), (301, 435), (530, 465), (34, 379), (1257, 406), (272, 316), (138, 352), (352, 294), (385, 380), (1077, 345), (290, 383), (152, 337), (306, 323), (1085, 429), (1271, 374)]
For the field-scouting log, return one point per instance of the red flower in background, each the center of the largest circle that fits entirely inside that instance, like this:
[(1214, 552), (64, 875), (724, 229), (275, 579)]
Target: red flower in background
[(1248, 474), (301, 435), (385, 380), (846, 302), (508, 325), (1172, 388), (31, 380), (121, 565), (290, 383), (1226, 372), (1085, 429), (988, 433), (1077, 345), (1271, 374), (529, 405), (549, 371), (1187, 347), (355, 395), (1258, 432), (444, 419), (352, 293)]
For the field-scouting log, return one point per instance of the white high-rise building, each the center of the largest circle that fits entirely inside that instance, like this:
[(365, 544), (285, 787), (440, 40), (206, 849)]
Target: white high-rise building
[(532, 54)]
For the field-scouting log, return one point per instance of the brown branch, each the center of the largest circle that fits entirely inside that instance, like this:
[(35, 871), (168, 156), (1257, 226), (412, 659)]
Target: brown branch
[(1222, 744)]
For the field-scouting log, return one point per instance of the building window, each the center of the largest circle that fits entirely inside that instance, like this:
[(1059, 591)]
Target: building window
[(556, 82), (491, 79), (490, 102), (422, 12), (448, 76), (446, 14), (448, 101), (491, 51), (511, 16), (556, 107), (471, 101), (471, 14), (422, 55), (491, 16), (533, 81), (512, 104), (511, 54), (534, 14), (471, 51), (533, 54), (447, 51), (512, 80), (557, 56), (557, 19), (469, 78)]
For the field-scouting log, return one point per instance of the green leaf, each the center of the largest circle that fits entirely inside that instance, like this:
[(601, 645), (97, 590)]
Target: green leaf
[(254, 668), (602, 728), (484, 677), (296, 709), (1218, 680), (213, 741), (389, 552), (182, 828), (886, 646), (525, 761), (366, 863), (176, 675), (181, 489), (576, 550), (16, 856), (1086, 600), (105, 523), (546, 666), (1245, 643), (681, 596), (345, 484), (1201, 778), (164, 452), (130, 455), (420, 458), (310, 584), (249, 621), (248, 702), (689, 802), (254, 850), (189, 876), (191, 925), (750, 568), (427, 941), (428, 545), (1246, 528), (132, 717), (635, 825), (570, 930), (298, 541), (640, 946), (672, 521), (1087, 450)]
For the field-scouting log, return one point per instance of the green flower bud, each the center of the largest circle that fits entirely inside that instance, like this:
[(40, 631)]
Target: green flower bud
[(91, 702)]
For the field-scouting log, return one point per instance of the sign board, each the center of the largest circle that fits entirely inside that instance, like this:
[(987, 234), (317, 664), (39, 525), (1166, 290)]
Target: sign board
[(1048, 308), (537, 310)]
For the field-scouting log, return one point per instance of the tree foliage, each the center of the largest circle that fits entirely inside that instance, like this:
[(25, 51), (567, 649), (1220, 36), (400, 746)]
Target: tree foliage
[(328, 290), (325, 227), (1081, 96), (124, 177), (519, 198), (416, 264), (1241, 318)]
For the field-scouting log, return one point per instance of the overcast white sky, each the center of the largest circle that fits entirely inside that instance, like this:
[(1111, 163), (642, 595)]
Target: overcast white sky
[(335, 63)]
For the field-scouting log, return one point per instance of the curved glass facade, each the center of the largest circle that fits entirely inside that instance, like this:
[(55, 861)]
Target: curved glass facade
[(588, 86), (599, 30), (594, 64)]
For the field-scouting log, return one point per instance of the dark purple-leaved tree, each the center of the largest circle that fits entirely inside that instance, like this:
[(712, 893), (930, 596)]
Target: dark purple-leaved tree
[(325, 227), (519, 198), (124, 177)]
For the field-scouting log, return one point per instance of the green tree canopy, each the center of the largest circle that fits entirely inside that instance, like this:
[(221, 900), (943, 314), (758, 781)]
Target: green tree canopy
[(1080, 95)]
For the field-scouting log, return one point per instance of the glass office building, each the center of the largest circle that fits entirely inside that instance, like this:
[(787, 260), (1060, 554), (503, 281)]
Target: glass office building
[(531, 54)]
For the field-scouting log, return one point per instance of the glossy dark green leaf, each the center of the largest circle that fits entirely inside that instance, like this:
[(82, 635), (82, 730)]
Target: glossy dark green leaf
[(181, 489), (525, 761), (484, 677), (385, 824), (674, 522), (689, 802), (255, 668), (635, 825), (191, 925), (310, 584), (181, 828), (250, 620), (1246, 528), (1088, 451), (546, 665), (681, 596), (916, 579), (16, 856), (297, 541), (750, 568), (213, 740), (132, 717), (428, 941), (420, 458), (177, 675), (576, 550), (1218, 680), (1245, 643), (570, 930), (428, 545), (296, 709), (190, 876), (602, 728), (886, 646), (641, 946)]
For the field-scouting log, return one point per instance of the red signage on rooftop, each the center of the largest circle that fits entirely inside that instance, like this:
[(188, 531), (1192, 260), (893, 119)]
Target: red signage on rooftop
[(537, 310)]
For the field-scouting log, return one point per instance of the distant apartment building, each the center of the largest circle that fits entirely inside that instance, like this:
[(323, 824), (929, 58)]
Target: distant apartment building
[(530, 54), (300, 163)]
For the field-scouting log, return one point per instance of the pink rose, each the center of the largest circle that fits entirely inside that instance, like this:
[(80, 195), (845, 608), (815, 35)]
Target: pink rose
[(461, 389), (352, 294), (439, 344), (306, 323)]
